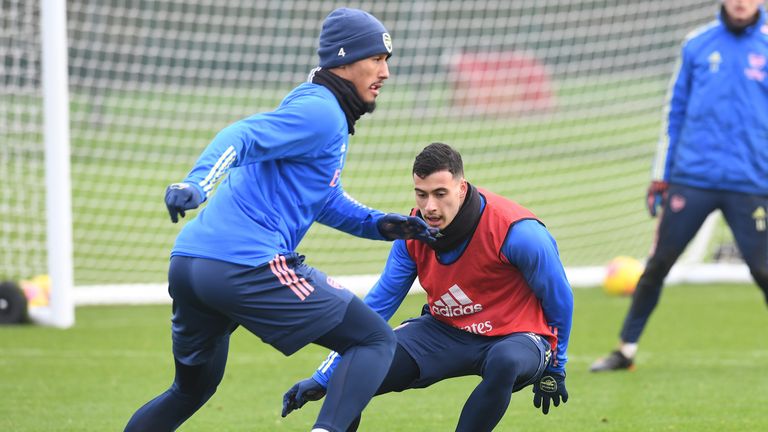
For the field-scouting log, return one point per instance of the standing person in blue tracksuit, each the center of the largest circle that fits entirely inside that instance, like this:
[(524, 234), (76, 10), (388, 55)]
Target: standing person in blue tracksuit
[(713, 155), (235, 264)]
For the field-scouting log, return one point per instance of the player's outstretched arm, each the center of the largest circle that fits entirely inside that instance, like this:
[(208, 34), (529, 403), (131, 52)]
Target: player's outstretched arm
[(344, 213)]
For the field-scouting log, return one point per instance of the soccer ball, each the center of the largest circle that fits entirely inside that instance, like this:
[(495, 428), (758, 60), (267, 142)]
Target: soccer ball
[(621, 275), (37, 290)]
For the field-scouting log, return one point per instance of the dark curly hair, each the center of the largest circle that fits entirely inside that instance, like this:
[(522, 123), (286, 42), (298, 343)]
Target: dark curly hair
[(438, 157)]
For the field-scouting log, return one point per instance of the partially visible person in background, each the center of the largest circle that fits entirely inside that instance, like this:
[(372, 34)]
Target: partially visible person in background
[(713, 154)]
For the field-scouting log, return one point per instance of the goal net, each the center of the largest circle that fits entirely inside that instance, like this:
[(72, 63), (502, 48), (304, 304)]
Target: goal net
[(555, 104)]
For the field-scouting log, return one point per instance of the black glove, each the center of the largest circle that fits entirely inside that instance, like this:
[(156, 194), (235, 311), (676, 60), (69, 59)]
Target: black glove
[(657, 196), (396, 226), (551, 386), (301, 393), (180, 197)]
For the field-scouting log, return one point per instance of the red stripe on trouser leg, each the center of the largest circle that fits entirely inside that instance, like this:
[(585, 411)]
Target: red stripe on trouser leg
[(273, 265)]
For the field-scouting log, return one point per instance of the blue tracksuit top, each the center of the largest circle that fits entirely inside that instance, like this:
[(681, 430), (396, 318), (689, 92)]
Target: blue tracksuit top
[(528, 246), (716, 131), (284, 170)]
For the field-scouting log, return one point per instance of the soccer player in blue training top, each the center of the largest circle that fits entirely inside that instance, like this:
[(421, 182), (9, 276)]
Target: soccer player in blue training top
[(498, 301), (713, 154), (236, 265)]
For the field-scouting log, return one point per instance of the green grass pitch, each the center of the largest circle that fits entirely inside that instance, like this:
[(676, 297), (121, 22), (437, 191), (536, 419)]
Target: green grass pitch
[(701, 367)]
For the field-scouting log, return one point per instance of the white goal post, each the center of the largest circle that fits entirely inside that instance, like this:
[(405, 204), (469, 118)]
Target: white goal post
[(58, 203)]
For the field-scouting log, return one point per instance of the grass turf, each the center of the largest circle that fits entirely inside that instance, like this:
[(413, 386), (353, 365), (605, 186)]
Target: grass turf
[(701, 367)]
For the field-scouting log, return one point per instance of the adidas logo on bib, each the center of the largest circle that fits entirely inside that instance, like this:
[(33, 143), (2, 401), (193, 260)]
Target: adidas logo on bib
[(455, 303)]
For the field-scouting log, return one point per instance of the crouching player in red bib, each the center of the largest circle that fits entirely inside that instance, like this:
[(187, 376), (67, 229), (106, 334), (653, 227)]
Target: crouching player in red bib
[(498, 301)]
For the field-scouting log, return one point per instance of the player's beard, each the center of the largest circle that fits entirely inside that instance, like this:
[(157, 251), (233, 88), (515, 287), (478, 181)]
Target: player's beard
[(346, 93), (463, 224), (737, 27)]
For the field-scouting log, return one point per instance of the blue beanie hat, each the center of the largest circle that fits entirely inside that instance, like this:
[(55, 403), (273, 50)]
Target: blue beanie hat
[(349, 35)]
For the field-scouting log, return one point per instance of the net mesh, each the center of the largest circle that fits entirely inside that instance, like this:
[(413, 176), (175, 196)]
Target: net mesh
[(555, 104)]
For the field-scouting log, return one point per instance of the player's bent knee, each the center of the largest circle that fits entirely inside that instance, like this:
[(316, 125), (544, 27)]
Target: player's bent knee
[(502, 376), (503, 371), (194, 383), (361, 326), (384, 336)]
